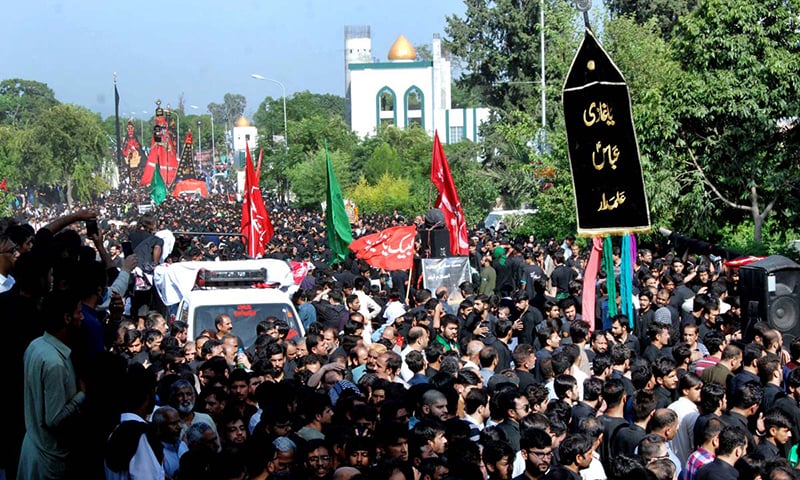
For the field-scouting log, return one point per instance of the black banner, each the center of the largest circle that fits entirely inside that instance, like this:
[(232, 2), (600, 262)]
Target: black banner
[(116, 123), (610, 198)]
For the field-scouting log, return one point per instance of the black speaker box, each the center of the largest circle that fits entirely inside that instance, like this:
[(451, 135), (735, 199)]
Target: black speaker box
[(769, 290), (435, 243)]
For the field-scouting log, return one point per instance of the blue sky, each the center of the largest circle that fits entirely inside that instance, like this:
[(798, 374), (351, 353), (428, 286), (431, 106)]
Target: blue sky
[(203, 48)]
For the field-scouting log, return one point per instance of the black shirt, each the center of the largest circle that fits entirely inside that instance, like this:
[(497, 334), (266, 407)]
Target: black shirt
[(739, 420), (717, 470), (580, 411), (561, 277), (627, 439), (768, 450), (560, 472), (664, 397)]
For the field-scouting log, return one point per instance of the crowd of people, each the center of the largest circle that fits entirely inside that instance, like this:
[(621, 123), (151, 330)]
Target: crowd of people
[(502, 379)]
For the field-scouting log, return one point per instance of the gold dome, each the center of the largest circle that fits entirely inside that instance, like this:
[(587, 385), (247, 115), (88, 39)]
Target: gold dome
[(242, 122), (402, 50)]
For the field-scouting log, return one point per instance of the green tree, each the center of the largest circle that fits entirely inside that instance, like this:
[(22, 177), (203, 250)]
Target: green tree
[(231, 108), (476, 190), (389, 193), (650, 70), (383, 161), (22, 100), (269, 116), (424, 53), (732, 110), (308, 179), (307, 135), (664, 13), (10, 154), (499, 44), (76, 142)]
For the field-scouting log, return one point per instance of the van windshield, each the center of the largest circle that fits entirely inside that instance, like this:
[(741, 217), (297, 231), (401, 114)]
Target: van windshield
[(245, 318)]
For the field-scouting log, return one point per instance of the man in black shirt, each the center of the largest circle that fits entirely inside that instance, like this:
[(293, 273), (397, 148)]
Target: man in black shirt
[(530, 317), (536, 448), (666, 376), (777, 433), (524, 363), (732, 447), (744, 403), (575, 454), (626, 439), (613, 419), (592, 388), (562, 275)]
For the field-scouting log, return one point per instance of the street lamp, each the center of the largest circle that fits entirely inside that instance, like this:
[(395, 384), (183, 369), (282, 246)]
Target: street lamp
[(199, 143), (213, 144), (283, 89)]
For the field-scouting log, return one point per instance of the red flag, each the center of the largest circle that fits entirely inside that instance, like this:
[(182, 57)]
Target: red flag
[(390, 249), (448, 201), (3, 185), (300, 270), (256, 225)]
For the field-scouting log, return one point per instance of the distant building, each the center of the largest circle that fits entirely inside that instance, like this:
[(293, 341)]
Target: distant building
[(403, 91), (243, 133)]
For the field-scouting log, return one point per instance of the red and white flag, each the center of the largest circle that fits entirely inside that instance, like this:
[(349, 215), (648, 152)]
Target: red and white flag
[(256, 224), (448, 201), (300, 270), (389, 249)]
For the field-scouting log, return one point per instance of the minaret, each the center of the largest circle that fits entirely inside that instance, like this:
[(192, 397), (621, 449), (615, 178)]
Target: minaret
[(441, 84), (357, 49)]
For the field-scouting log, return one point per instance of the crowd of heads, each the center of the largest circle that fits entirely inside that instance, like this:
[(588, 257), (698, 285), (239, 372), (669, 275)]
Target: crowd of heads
[(388, 379)]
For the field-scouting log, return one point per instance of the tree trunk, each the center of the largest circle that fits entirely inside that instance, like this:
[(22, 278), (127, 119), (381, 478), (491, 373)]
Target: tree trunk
[(758, 216), (69, 191), (758, 221)]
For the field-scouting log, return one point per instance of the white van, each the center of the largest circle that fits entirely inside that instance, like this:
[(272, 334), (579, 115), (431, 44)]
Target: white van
[(247, 290), (494, 217)]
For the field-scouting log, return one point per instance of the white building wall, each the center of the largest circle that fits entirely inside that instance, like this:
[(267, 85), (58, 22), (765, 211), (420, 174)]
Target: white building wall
[(366, 83), (240, 137)]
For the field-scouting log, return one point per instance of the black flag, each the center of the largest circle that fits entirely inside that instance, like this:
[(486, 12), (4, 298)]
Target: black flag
[(610, 197), (116, 123)]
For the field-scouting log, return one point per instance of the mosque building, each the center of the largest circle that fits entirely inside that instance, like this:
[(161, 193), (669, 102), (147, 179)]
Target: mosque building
[(404, 90)]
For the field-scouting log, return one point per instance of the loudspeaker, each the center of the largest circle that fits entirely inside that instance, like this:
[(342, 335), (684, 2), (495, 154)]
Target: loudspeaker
[(434, 218), (435, 243), (769, 290)]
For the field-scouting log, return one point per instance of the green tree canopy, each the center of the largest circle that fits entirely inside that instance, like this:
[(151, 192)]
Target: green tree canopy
[(76, 143), (664, 13), (736, 108), (499, 44), (308, 179), (22, 100)]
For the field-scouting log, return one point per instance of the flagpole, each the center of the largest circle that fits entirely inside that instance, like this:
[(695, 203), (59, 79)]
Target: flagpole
[(408, 288), (116, 126)]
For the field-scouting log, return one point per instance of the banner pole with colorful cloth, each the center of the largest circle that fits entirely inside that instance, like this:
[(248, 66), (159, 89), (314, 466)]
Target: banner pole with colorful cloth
[(607, 178), (256, 224), (448, 201), (389, 249)]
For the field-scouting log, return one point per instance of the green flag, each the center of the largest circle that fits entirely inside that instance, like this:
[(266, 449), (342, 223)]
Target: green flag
[(336, 222), (158, 190)]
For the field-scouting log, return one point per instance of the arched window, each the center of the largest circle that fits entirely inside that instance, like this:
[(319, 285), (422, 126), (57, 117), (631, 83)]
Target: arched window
[(414, 112), (386, 107)]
